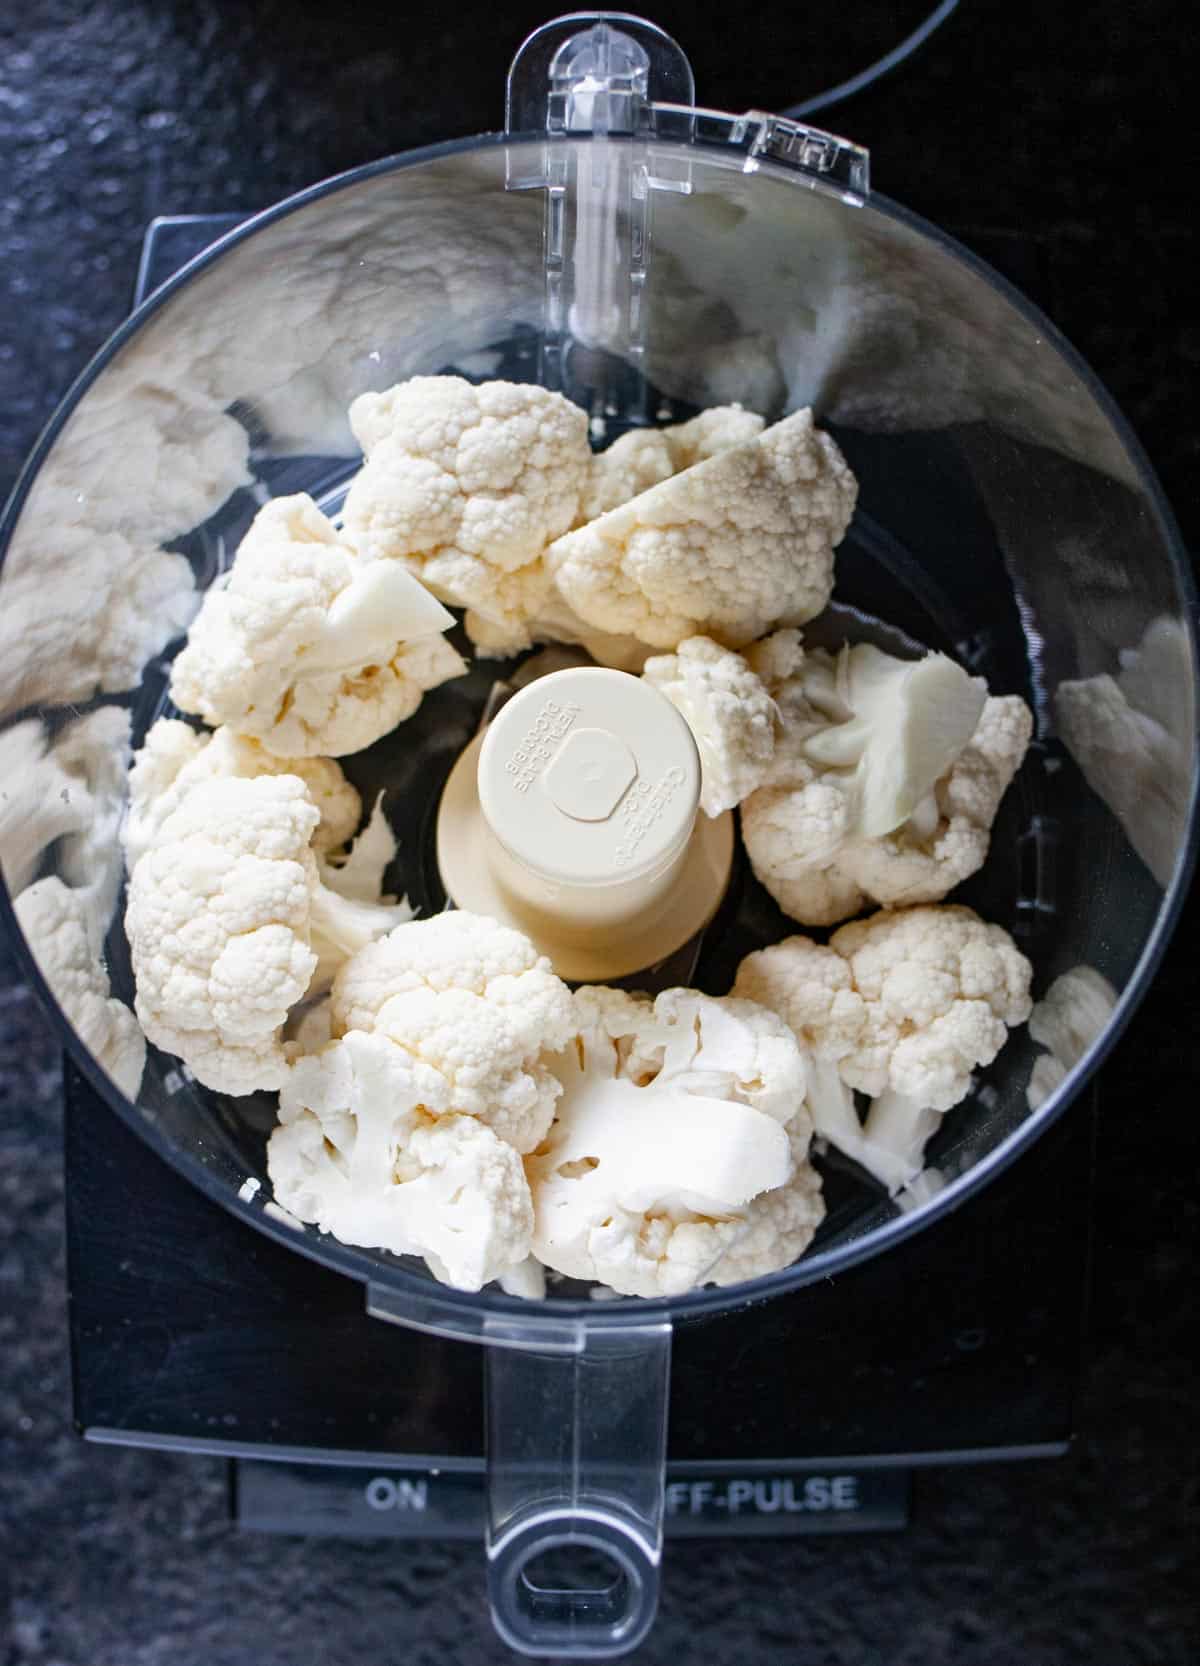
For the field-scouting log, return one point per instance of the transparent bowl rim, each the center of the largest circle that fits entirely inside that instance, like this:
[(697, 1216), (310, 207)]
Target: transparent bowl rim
[(417, 1289)]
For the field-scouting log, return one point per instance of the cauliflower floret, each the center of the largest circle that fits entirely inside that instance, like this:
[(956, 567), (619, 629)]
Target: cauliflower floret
[(174, 758), (648, 1176), (729, 712), (729, 547), (483, 1054), (902, 1006), (307, 649), (371, 1147), (475, 999), (60, 931), (885, 781), (229, 925), (466, 486), (457, 950)]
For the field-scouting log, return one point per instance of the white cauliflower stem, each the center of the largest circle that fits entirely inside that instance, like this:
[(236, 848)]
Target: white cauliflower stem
[(466, 486), (886, 777), (904, 1006), (307, 649), (731, 546), (668, 1135)]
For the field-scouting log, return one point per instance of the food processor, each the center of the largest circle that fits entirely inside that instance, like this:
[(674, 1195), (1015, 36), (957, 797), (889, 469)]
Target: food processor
[(646, 257)]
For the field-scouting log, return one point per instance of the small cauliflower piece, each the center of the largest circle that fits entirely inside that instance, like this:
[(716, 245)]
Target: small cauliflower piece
[(886, 777), (175, 758), (371, 1148), (465, 486), (729, 547), (229, 927), (904, 1006), (307, 649), (473, 998), (60, 930), (456, 950), (729, 712), (657, 1152)]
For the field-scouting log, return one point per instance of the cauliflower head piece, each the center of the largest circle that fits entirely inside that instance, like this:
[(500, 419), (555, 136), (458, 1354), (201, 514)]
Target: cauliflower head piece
[(230, 926), (371, 1147), (174, 759), (476, 1000), (670, 1127), (728, 548), (886, 777), (465, 486), (902, 1006), (305, 648)]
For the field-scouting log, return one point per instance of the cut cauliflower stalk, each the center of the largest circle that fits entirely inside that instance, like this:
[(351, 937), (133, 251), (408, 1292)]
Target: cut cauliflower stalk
[(728, 548), (307, 649), (885, 779), (667, 1143), (465, 486), (230, 926), (902, 1006)]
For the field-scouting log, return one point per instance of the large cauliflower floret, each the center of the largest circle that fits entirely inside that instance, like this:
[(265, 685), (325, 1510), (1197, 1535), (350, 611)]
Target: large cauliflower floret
[(60, 930), (729, 712), (476, 1000), (229, 927), (902, 1006), (175, 758), (669, 1127), (729, 547), (372, 1147), (886, 777), (306, 648), (466, 486)]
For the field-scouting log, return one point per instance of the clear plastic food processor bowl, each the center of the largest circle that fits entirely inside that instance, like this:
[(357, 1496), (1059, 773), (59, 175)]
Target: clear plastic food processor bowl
[(647, 258)]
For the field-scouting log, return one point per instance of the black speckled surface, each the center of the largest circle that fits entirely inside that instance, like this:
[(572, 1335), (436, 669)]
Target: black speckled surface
[(1078, 132)]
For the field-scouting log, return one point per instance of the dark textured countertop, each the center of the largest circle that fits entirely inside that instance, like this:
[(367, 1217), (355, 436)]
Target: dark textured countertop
[(1071, 127)]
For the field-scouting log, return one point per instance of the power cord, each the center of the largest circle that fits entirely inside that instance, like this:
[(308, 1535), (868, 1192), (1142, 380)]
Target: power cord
[(883, 66)]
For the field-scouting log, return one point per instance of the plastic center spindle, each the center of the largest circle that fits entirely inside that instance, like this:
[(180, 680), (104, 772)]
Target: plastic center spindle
[(578, 824)]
